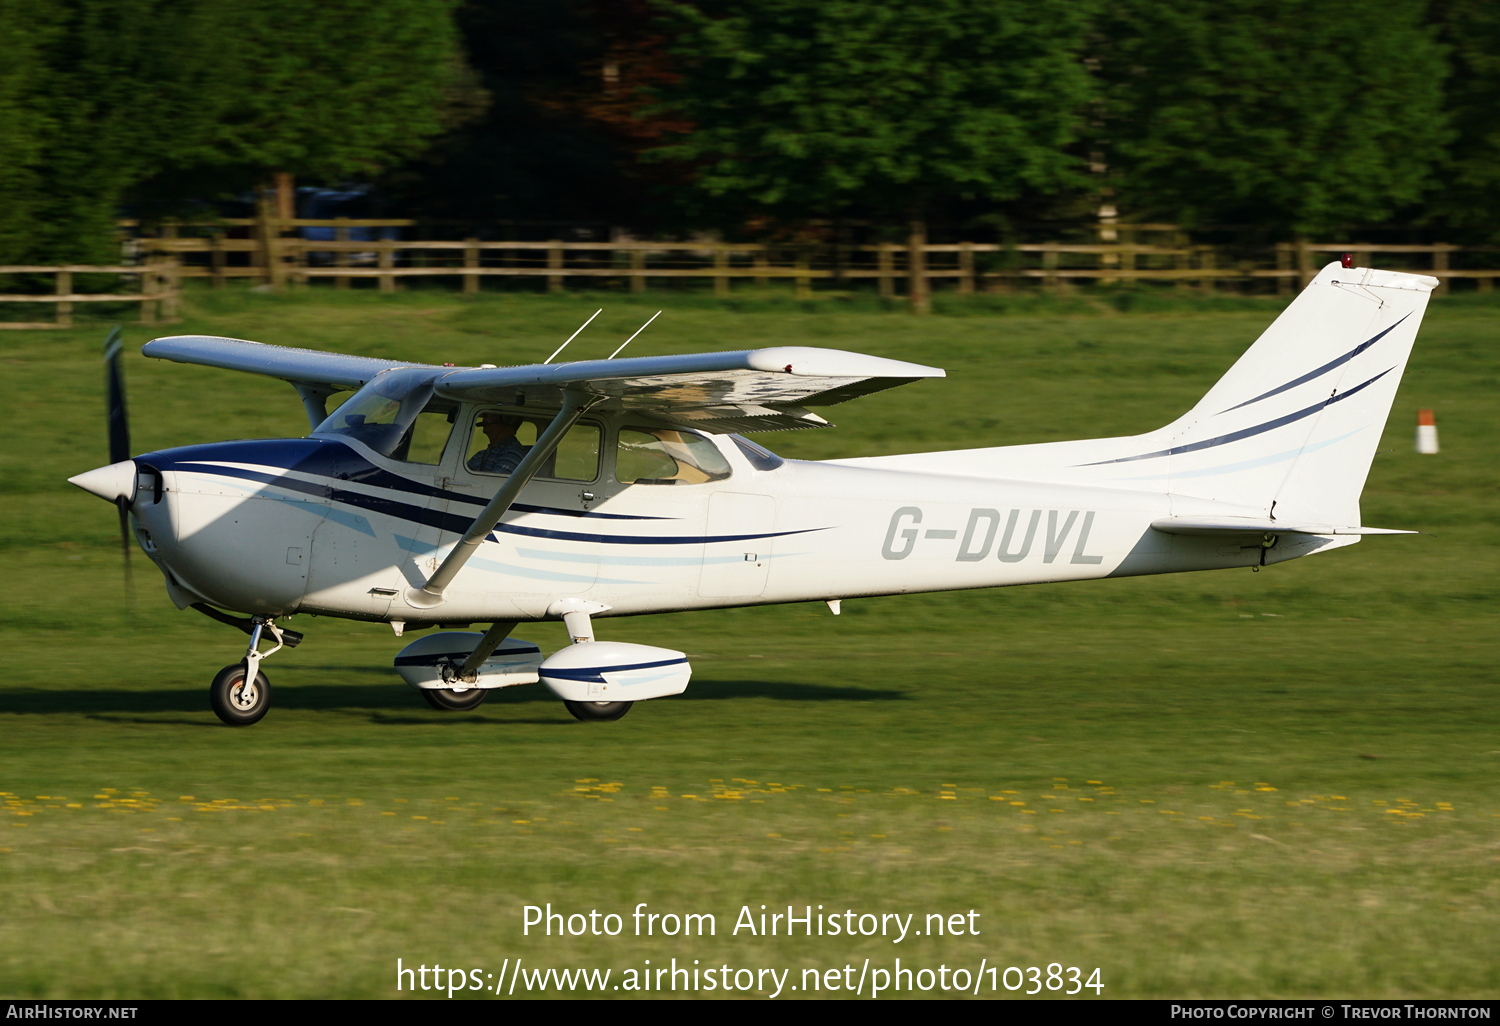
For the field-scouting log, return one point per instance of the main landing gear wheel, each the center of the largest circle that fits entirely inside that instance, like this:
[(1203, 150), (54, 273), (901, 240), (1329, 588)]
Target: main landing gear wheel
[(234, 702), (601, 711), (454, 701)]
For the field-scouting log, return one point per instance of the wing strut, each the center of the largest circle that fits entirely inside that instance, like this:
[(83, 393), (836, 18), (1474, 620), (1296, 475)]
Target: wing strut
[(498, 632), (431, 593)]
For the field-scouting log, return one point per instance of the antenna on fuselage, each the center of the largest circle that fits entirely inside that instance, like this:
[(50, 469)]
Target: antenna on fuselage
[(631, 339), (575, 334)]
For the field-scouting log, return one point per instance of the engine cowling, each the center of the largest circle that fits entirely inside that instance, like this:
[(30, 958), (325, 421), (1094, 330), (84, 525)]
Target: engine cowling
[(615, 671)]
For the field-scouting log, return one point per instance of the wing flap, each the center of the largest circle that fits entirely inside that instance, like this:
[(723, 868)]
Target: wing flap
[(1213, 527)]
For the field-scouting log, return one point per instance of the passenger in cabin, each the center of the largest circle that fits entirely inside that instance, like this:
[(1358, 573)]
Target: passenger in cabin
[(505, 451)]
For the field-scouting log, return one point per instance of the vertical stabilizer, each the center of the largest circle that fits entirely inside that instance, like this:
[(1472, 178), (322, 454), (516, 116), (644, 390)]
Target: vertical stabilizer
[(1288, 432), (1296, 420)]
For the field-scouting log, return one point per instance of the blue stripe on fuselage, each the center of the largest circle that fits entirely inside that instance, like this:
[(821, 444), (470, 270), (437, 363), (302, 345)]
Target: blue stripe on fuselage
[(332, 459), (191, 459)]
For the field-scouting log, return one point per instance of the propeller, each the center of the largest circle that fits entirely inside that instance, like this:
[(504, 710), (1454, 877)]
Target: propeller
[(119, 434)]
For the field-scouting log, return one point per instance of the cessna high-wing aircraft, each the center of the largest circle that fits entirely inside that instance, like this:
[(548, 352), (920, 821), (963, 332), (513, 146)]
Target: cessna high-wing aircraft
[(451, 496)]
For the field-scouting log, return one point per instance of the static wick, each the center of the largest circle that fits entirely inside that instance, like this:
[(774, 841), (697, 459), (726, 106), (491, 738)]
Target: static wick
[(575, 334), (631, 339)]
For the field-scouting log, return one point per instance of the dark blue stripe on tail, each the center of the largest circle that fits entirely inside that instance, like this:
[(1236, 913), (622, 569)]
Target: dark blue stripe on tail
[(1235, 436), (1330, 365)]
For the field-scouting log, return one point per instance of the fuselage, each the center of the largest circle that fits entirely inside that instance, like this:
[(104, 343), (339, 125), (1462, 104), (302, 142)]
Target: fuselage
[(332, 527)]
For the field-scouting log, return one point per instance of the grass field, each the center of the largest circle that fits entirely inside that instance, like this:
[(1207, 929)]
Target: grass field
[(1228, 784)]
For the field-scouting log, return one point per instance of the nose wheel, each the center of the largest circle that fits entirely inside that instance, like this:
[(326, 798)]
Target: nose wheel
[(241, 694), (234, 701)]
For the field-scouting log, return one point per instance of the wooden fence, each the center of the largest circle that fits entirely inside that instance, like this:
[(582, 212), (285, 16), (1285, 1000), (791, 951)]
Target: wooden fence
[(274, 253), (156, 292)]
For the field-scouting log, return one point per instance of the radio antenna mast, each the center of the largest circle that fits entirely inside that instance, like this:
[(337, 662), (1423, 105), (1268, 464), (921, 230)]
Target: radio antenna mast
[(631, 339), (575, 334)]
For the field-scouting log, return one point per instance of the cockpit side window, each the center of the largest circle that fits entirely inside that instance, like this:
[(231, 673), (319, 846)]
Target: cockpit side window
[(667, 456), (499, 440), (427, 437)]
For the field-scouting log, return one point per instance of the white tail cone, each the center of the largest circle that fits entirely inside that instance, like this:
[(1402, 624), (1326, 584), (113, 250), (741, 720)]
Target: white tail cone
[(1427, 440), (111, 483)]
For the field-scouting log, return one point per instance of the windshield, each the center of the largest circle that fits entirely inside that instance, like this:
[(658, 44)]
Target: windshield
[(380, 413)]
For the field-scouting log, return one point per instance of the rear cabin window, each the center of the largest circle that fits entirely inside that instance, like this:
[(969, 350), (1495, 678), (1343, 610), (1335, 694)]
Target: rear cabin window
[(664, 456), (499, 440)]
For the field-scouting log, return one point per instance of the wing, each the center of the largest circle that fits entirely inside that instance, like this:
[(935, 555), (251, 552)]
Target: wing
[(300, 366), (747, 390)]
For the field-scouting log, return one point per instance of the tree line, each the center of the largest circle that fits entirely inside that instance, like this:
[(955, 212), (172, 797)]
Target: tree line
[(755, 117)]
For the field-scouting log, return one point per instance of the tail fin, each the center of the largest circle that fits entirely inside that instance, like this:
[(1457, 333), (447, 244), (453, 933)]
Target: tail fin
[(1292, 428), (1290, 431)]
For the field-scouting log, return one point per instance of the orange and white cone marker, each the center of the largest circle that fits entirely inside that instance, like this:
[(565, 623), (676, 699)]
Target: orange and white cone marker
[(1427, 440)]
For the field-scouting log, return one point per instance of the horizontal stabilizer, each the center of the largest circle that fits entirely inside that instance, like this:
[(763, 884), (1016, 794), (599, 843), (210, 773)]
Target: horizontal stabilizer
[(1211, 527)]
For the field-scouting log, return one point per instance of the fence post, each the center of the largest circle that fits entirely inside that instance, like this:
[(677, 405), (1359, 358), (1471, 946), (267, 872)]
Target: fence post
[(63, 286), (804, 283), (172, 304), (638, 269), (146, 278), (554, 263), (471, 259), (216, 258), (268, 234), (1109, 260), (966, 269), (1049, 263), (1440, 253), (387, 262), (916, 269), (761, 263), (1305, 272), (296, 248), (341, 256), (887, 267), (1283, 263), (268, 229), (721, 271), (1208, 261)]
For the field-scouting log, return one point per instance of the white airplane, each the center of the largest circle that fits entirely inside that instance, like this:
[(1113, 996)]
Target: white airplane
[(449, 496)]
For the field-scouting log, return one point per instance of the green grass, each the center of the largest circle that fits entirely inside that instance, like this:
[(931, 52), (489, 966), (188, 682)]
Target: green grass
[(1234, 784)]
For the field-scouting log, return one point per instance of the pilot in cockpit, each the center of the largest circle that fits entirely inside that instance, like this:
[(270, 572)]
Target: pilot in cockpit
[(505, 451)]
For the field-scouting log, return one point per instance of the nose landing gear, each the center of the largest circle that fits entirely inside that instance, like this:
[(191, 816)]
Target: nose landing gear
[(236, 703), (241, 694)]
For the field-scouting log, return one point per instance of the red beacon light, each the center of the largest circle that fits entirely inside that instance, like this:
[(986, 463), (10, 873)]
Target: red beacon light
[(1347, 260)]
